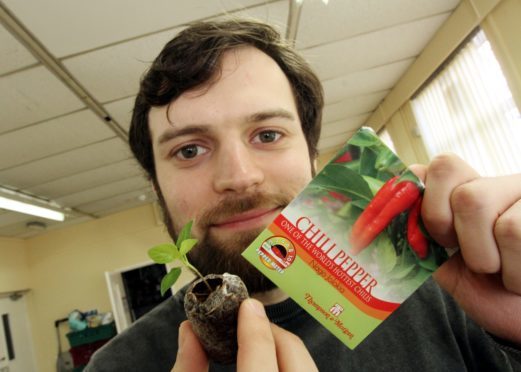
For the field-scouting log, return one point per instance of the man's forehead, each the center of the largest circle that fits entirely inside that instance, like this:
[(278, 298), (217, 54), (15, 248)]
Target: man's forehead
[(157, 115), (180, 111), (228, 63)]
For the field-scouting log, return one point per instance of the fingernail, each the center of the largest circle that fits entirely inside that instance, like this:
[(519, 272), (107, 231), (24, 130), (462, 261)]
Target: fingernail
[(257, 307)]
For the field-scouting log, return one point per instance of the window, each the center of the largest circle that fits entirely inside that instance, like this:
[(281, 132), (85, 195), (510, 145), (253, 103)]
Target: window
[(469, 110), (386, 138)]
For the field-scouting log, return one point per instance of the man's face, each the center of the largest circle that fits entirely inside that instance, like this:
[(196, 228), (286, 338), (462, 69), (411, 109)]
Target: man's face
[(232, 156)]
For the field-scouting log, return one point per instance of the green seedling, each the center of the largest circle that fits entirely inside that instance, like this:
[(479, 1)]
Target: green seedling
[(212, 310), (169, 252)]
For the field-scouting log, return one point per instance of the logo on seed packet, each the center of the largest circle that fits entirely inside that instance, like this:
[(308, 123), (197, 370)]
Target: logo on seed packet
[(277, 253)]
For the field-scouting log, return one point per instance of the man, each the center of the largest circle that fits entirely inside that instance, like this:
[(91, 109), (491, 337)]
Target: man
[(226, 125)]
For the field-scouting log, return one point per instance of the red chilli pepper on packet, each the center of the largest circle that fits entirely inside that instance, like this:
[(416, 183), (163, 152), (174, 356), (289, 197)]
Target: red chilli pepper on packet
[(392, 199), (415, 237)]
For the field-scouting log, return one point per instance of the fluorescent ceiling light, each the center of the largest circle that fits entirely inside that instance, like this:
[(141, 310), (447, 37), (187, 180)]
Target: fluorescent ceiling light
[(18, 206)]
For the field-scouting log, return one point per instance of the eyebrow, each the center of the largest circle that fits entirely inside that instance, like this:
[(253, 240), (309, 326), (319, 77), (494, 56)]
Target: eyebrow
[(270, 114), (202, 129), (178, 132)]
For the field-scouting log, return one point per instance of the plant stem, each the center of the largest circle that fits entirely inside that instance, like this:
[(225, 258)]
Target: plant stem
[(189, 265)]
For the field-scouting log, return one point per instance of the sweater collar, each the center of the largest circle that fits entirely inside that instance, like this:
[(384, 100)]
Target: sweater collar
[(283, 311)]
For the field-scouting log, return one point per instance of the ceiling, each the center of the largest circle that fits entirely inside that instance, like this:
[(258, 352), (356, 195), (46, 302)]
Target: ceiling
[(69, 71)]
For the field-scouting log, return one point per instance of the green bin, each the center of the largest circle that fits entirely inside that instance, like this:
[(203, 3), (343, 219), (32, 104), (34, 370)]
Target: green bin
[(90, 335)]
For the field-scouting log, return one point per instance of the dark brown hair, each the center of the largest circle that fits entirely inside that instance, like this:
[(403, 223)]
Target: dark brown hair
[(192, 59)]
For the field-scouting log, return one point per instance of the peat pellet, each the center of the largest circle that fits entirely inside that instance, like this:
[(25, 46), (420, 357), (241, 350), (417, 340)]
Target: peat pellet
[(213, 313)]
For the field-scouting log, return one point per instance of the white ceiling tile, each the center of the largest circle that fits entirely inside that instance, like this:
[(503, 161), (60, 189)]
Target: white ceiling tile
[(333, 141), (274, 13), (121, 111), (89, 179), (65, 164), (20, 231), (119, 202), (51, 137), (14, 55), (54, 226), (343, 126), (346, 18), (352, 106), (104, 191), (336, 147), (13, 223), (10, 218), (114, 72), (365, 82), (33, 95), (68, 27), (373, 49)]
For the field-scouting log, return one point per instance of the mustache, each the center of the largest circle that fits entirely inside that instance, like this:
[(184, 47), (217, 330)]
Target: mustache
[(232, 205)]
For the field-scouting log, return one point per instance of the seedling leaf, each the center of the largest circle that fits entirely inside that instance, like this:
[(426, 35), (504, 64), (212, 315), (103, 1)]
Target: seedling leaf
[(170, 279), (166, 253), (185, 233), (186, 246), (163, 253)]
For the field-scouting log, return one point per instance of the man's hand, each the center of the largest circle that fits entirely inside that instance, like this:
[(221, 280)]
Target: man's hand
[(483, 217), (262, 346)]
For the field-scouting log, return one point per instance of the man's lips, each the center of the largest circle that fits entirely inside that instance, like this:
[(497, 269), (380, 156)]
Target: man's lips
[(247, 219)]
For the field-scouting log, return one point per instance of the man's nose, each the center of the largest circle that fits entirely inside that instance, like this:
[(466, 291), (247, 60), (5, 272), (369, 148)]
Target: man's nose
[(237, 169)]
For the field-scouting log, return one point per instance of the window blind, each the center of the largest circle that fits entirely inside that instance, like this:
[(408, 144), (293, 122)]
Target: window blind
[(468, 109)]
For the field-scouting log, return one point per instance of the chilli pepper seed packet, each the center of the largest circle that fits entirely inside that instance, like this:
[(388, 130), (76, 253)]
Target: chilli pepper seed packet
[(351, 247)]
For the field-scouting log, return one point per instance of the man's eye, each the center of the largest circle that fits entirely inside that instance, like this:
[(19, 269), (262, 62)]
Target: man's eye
[(189, 152), (267, 136)]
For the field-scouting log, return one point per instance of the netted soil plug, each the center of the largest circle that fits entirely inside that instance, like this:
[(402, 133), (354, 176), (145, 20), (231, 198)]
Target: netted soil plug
[(214, 314)]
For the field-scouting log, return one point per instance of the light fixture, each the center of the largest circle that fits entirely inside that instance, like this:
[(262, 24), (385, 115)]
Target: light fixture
[(23, 203), (33, 210), (295, 8)]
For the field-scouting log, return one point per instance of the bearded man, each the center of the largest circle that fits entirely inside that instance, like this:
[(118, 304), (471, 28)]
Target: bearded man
[(226, 125)]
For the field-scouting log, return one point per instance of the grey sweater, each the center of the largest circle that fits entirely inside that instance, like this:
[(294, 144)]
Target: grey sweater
[(429, 332)]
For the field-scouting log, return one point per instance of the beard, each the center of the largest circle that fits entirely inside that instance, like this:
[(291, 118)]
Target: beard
[(213, 255)]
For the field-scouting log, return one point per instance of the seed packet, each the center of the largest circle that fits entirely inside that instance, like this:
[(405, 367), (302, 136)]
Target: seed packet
[(351, 247)]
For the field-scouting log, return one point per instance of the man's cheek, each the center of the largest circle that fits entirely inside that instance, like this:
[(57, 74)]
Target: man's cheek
[(189, 209)]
